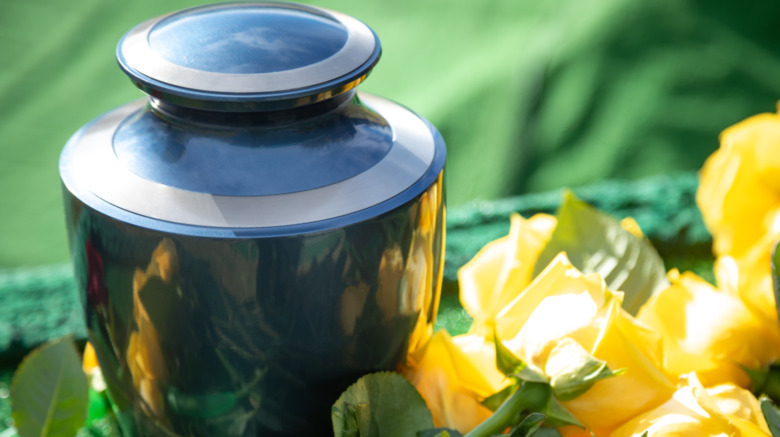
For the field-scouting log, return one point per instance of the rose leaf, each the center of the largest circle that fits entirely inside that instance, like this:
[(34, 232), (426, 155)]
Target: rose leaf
[(380, 404), (49, 391), (595, 242)]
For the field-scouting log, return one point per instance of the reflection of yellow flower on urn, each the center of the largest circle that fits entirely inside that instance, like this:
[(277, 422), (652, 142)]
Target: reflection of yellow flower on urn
[(406, 282), (429, 205), (405, 289), (144, 354), (417, 289), (422, 280), (352, 302), (391, 270)]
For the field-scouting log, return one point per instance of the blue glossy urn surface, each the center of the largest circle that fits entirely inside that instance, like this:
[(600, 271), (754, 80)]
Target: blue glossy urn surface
[(255, 235)]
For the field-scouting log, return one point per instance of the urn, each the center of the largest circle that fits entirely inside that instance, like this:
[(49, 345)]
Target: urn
[(255, 234)]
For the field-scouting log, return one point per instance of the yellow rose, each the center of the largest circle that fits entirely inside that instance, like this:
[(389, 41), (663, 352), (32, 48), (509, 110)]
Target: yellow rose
[(724, 410), (451, 383), (502, 269), (480, 351), (708, 331), (750, 278), (739, 185), (563, 305)]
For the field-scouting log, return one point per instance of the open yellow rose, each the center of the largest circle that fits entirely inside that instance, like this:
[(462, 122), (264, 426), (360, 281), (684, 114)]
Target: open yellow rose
[(739, 185), (562, 305), (708, 331), (502, 269), (724, 410)]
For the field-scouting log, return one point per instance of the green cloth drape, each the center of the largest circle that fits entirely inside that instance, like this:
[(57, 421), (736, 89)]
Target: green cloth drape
[(529, 95)]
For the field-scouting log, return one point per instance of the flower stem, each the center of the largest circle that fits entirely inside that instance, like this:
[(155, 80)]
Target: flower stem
[(530, 396)]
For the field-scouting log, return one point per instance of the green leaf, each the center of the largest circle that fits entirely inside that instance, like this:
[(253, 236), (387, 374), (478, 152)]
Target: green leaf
[(346, 421), (764, 381), (558, 415), (528, 426), (49, 392), (772, 385), (573, 371), (596, 243), (772, 415), (546, 432), (758, 378), (510, 365), (380, 404), (494, 401), (776, 278), (439, 432)]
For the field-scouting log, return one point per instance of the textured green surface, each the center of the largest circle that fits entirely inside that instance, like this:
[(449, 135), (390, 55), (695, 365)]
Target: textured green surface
[(529, 95), (39, 304)]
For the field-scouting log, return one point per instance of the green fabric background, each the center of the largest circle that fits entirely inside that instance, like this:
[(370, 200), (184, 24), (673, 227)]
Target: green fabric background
[(529, 95)]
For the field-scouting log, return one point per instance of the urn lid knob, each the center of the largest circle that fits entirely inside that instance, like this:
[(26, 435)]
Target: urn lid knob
[(248, 56)]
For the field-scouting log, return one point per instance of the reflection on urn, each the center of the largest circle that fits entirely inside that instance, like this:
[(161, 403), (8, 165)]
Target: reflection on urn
[(145, 358)]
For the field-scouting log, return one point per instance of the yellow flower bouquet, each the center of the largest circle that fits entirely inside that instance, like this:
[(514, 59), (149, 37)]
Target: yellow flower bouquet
[(579, 330)]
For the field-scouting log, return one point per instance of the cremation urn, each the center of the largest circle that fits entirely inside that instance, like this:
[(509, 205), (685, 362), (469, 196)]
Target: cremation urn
[(256, 234)]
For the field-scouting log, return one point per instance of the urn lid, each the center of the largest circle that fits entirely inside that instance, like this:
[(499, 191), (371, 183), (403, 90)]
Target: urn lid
[(247, 56), (252, 128)]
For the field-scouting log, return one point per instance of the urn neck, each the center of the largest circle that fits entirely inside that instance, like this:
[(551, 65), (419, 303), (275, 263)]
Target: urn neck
[(269, 118)]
